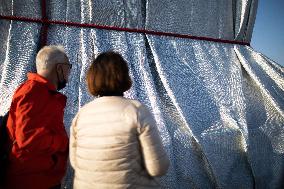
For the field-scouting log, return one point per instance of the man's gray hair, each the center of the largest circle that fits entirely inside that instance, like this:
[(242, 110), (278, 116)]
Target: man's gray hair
[(48, 56)]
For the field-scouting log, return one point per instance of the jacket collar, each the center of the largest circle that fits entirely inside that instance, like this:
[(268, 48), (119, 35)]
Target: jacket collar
[(38, 78)]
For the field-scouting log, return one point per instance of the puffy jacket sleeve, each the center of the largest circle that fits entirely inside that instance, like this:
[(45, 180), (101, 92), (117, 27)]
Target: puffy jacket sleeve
[(33, 130), (73, 142), (155, 157)]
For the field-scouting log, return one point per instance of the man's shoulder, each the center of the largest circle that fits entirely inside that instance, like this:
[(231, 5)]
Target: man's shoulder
[(30, 87)]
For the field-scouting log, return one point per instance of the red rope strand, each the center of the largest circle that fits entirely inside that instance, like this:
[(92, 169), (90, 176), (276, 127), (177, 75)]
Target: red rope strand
[(87, 25), (44, 29)]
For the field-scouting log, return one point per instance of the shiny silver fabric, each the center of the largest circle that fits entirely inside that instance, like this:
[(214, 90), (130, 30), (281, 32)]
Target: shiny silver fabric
[(219, 107), (24, 8), (19, 42), (126, 14)]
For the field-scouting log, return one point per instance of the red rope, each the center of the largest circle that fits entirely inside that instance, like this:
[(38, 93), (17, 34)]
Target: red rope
[(86, 25), (44, 29)]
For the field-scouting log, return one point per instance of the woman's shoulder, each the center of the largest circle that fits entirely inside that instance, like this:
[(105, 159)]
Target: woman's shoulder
[(86, 106), (133, 102), (129, 105), (136, 107)]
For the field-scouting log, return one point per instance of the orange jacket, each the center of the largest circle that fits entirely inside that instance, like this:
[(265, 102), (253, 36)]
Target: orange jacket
[(40, 144)]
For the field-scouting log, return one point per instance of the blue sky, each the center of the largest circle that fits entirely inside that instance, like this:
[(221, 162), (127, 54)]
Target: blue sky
[(268, 33)]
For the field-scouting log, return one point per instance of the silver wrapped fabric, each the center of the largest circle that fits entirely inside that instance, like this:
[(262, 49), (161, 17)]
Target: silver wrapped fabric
[(219, 107)]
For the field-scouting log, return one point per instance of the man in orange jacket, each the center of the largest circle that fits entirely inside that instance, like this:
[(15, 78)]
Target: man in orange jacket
[(39, 152)]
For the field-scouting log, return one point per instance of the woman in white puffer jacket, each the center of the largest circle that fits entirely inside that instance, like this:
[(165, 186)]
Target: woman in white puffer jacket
[(114, 142)]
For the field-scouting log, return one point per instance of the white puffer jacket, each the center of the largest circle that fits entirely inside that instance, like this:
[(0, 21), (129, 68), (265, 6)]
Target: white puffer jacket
[(114, 143)]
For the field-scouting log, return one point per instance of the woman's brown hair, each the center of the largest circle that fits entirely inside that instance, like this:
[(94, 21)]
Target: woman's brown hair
[(108, 75)]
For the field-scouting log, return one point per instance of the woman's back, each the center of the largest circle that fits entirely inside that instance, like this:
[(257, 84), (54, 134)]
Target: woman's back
[(115, 144)]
